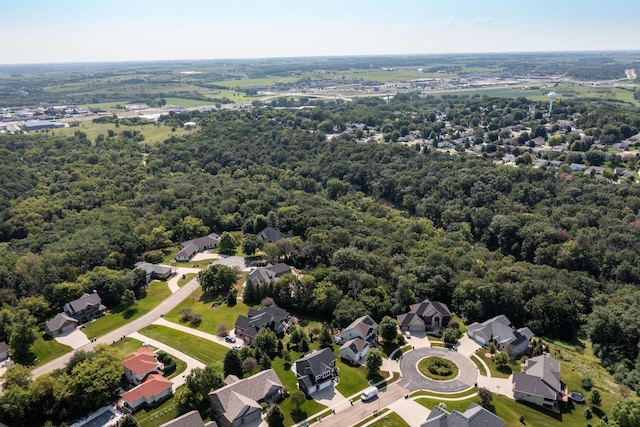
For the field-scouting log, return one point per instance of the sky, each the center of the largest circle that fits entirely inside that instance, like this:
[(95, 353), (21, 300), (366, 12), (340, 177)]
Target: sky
[(47, 31)]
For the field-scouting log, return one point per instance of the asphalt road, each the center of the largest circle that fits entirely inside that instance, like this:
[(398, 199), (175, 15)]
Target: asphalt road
[(165, 306), (413, 380), (361, 410)]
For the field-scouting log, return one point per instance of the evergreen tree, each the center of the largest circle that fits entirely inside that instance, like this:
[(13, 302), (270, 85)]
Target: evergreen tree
[(232, 364)]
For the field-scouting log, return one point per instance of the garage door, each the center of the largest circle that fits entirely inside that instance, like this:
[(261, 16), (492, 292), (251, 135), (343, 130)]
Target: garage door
[(324, 385), (478, 339)]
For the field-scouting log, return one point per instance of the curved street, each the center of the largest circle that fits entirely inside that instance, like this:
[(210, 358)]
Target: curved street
[(413, 380)]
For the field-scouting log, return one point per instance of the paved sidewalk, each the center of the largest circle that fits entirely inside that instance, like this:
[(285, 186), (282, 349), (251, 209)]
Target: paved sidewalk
[(190, 361), (412, 412)]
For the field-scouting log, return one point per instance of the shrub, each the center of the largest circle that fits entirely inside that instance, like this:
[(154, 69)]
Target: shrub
[(587, 382), (588, 413)]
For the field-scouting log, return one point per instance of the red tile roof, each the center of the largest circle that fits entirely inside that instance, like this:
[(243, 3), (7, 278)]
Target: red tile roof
[(152, 386), (142, 361)]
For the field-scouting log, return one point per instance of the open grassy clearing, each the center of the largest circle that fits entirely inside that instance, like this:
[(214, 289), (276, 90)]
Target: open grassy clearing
[(390, 420), (152, 133), (263, 81), (499, 372), (120, 316), (46, 350), (209, 353), (187, 103), (228, 93), (152, 417), (211, 317)]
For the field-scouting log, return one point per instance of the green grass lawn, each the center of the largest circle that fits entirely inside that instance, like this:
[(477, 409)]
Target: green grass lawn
[(152, 417), (288, 379), (152, 133), (390, 419), (481, 369), (211, 317), (432, 394), (156, 292), (46, 350), (352, 378), (187, 279), (209, 353), (499, 372)]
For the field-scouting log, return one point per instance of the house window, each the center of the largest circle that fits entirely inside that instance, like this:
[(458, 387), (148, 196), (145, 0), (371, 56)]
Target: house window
[(326, 374)]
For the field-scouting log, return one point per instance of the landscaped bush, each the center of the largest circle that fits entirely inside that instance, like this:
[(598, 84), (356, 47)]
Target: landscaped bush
[(438, 368)]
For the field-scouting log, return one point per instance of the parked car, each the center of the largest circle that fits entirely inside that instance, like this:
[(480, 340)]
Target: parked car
[(229, 338), (237, 346), (369, 393)]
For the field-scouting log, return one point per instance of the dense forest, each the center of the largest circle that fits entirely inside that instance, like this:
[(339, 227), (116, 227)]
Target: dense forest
[(377, 225)]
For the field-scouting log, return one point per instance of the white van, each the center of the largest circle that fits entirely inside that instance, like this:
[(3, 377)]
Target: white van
[(369, 394)]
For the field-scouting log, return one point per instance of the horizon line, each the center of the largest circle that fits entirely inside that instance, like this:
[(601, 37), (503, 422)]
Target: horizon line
[(131, 61)]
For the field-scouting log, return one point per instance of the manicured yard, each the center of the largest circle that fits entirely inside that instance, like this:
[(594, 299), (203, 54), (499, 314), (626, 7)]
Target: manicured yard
[(47, 350), (352, 378), (499, 372), (127, 346), (438, 368), (432, 394), (211, 317), (151, 417), (390, 420), (209, 353), (481, 369), (156, 292), (288, 379), (187, 279)]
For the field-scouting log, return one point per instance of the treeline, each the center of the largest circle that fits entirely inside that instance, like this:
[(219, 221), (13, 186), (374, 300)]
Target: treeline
[(378, 226)]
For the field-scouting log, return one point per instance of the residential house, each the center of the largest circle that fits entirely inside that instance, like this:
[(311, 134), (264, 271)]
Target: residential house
[(155, 272), (4, 351), (154, 389), (274, 318), (270, 274), (316, 371), (354, 350), (540, 383), (363, 327), (190, 419), (424, 316), (272, 235), (499, 331), (190, 248), (474, 416), (238, 402), (139, 364), (577, 167), (60, 325), (85, 308)]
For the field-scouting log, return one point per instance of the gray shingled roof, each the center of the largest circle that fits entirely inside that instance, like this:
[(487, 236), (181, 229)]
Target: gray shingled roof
[(83, 303), (316, 362), (242, 397), (270, 234), (356, 345), (160, 270), (541, 377), (474, 416), (190, 419), (58, 321), (496, 327)]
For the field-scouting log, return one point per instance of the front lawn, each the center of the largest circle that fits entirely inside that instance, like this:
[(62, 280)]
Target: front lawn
[(120, 316), (502, 371), (187, 278), (211, 317), (152, 417), (208, 352), (390, 420), (288, 379), (353, 379), (46, 350)]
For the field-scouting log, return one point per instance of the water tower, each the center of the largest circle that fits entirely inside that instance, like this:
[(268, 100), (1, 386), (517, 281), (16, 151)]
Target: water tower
[(552, 96)]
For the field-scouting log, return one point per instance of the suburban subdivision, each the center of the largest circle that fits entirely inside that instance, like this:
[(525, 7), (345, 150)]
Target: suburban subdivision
[(445, 241)]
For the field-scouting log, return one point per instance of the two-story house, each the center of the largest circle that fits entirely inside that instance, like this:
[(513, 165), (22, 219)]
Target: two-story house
[(425, 316), (274, 318), (316, 371), (85, 308), (363, 327)]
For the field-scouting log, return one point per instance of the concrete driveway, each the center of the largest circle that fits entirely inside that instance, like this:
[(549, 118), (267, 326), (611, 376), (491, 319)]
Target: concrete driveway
[(466, 346), (413, 413), (234, 262), (74, 339), (413, 380), (180, 271)]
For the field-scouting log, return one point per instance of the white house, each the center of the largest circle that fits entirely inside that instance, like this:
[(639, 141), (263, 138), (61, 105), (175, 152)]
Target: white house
[(354, 350)]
